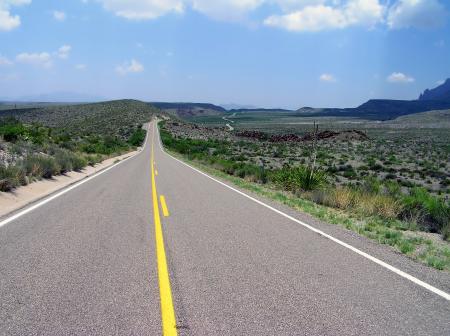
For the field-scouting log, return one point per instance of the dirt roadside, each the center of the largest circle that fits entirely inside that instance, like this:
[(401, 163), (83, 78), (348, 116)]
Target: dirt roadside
[(22, 196)]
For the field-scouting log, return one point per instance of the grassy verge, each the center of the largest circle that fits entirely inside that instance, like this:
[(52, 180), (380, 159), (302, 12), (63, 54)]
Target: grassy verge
[(376, 217)]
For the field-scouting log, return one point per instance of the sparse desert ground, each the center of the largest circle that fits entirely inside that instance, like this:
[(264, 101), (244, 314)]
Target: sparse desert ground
[(410, 150)]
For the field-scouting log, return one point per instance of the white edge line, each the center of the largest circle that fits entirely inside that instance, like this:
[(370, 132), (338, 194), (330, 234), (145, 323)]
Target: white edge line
[(340, 242), (67, 189)]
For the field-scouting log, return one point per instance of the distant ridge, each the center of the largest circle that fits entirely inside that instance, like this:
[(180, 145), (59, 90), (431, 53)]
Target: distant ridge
[(442, 92), (189, 110), (386, 109), (260, 110), (181, 105)]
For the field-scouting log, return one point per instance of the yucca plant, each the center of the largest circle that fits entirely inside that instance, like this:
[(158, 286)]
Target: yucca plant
[(299, 178)]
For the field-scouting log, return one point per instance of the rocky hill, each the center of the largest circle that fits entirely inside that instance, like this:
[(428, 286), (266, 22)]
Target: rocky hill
[(442, 92), (116, 118), (187, 110)]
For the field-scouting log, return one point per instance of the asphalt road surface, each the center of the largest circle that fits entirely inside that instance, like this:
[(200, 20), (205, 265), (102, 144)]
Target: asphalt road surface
[(110, 257)]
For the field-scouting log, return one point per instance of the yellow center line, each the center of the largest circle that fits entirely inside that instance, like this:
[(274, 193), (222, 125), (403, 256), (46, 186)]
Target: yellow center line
[(169, 327), (164, 208)]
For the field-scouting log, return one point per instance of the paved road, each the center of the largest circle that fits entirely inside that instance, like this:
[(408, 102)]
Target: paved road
[(86, 264)]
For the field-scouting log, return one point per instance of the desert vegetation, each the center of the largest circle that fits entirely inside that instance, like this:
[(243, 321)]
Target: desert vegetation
[(391, 187), (38, 143)]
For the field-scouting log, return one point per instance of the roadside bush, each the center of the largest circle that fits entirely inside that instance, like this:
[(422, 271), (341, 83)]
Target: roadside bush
[(11, 129), (371, 185), (434, 213), (41, 166), (137, 138), (378, 205), (11, 177), (341, 198), (68, 161), (106, 145), (78, 162), (64, 160), (298, 179), (92, 160)]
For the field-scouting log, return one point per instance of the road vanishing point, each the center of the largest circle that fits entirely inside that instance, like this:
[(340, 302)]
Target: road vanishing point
[(153, 246)]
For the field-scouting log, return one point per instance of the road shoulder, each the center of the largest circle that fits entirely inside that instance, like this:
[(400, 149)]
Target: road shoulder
[(21, 197)]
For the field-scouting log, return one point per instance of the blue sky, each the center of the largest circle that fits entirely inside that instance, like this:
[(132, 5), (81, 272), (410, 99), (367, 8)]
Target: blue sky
[(272, 53)]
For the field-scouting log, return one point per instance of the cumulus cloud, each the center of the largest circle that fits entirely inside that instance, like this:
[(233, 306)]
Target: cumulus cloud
[(226, 9), (142, 9), (64, 51), (399, 77), (416, 13), (327, 78), (132, 66), (59, 15), (324, 17), (295, 15), (10, 21), (42, 59)]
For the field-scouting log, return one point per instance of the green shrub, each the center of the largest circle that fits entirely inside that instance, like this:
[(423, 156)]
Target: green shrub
[(69, 161), (137, 138), (64, 160), (41, 166), (92, 160), (11, 129), (298, 178), (371, 185), (433, 211), (11, 177), (78, 162)]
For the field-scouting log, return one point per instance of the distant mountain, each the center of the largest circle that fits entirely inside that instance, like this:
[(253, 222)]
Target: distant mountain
[(390, 109), (442, 92), (262, 110), (387, 109), (379, 109), (206, 106), (236, 106)]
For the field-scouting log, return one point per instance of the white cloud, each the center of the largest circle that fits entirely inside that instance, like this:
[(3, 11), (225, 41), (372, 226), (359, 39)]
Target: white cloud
[(9, 21), (226, 9), (416, 13), (43, 59), (142, 9), (129, 67), (59, 15), (290, 5), (64, 51), (323, 17), (80, 66), (440, 82), (398, 77), (327, 78), (5, 61), (295, 15)]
